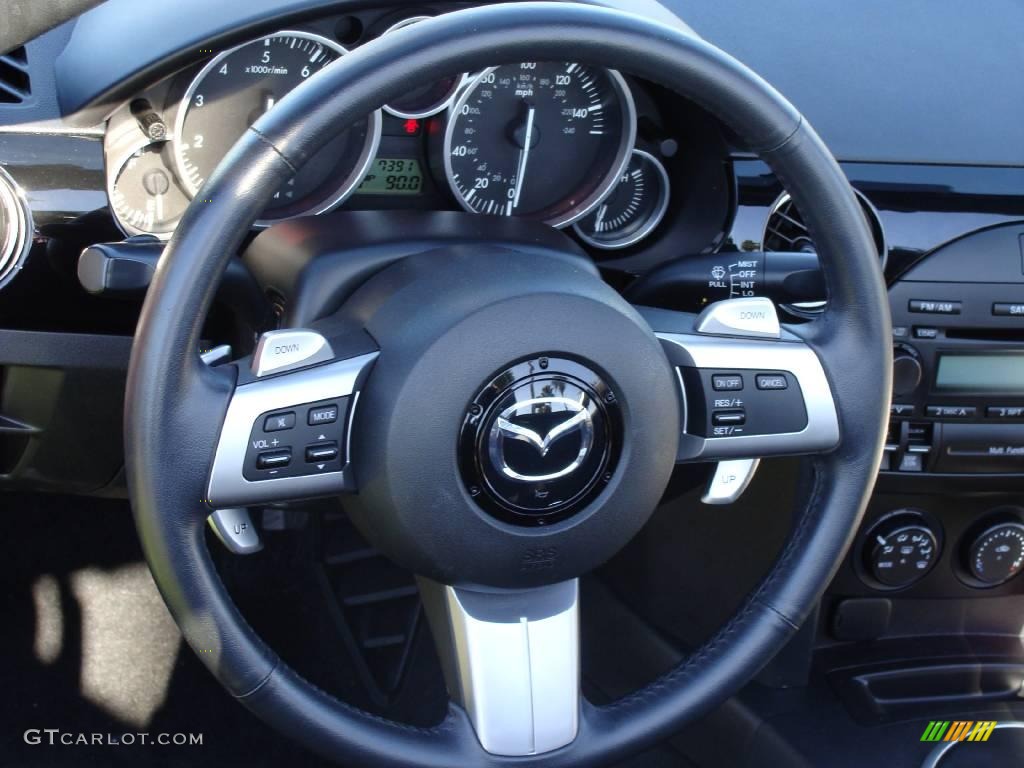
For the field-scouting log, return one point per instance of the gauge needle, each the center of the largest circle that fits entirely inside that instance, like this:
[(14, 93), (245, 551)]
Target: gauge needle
[(524, 155), (600, 217)]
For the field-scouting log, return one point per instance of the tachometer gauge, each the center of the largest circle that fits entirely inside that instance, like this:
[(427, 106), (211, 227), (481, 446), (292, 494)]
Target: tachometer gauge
[(634, 207), (236, 87), (428, 99), (541, 140), (145, 195)]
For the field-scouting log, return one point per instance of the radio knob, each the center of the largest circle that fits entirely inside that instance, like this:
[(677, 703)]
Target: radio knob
[(906, 371)]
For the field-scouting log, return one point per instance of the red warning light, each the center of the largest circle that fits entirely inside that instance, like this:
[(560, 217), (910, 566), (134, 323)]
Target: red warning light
[(412, 127)]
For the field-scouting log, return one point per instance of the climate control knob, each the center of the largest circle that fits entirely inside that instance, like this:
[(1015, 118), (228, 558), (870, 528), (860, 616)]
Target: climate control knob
[(906, 371), (900, 549), (997, 554)]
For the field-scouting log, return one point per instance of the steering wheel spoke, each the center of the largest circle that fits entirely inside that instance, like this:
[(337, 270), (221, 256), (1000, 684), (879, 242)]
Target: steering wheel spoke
[(749, 389), (512, 661), (285, 432)]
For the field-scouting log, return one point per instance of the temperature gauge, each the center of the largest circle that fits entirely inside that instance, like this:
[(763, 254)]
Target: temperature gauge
[(145, 195), (633, 208)]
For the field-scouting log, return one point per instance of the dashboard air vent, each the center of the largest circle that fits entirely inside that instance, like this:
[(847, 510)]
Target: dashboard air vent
[(15, 86), (15, 228), (784, 230)]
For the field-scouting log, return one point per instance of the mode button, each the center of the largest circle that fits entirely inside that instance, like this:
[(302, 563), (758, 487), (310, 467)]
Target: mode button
[(323, 414)]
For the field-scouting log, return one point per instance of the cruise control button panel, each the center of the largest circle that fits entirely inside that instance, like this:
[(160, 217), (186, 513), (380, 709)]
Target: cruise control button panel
[(305, 439), (775, 405)]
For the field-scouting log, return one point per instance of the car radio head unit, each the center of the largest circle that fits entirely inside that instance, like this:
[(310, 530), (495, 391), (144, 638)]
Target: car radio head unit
[(958, 376)]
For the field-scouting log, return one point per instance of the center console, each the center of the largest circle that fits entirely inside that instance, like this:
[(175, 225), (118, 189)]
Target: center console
[(958, 376), (924, 618)]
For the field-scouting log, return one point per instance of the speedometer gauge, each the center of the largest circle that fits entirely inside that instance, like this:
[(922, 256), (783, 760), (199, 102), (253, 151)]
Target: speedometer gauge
[(541, 140), (236, 87)]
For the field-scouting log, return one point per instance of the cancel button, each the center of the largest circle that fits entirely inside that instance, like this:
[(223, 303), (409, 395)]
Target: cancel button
[(772, 381)]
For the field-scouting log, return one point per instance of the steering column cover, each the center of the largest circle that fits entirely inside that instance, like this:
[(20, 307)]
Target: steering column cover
[(165, 373)]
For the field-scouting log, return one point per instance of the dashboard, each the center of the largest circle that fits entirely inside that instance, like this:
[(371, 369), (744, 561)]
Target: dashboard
[(671, 207), (579, 148)]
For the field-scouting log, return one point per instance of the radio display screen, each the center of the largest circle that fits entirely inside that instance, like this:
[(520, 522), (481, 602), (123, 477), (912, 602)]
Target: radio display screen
[(981, 373)]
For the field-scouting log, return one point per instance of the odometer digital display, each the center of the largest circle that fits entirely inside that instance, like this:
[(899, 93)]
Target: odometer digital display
[(540, 140), (393, 176), (238, 86)]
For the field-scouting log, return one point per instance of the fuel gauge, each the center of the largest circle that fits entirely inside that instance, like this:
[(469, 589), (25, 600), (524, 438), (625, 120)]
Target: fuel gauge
[(145, 195), (633, 208)]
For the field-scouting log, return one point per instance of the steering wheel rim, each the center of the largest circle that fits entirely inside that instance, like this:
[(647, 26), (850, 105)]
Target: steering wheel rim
[(175, 404)]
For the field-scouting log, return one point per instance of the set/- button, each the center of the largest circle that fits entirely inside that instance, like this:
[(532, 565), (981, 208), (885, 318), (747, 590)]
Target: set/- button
[(734, 418)]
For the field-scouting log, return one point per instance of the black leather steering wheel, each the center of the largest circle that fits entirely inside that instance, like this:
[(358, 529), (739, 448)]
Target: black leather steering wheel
[(433, 351)]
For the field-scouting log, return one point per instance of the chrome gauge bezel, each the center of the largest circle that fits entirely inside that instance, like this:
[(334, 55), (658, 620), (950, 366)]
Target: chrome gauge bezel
[(16, 238), (350, 183), (114, 172), (812, 309), (623, 154), (653, 221), (438, 106)]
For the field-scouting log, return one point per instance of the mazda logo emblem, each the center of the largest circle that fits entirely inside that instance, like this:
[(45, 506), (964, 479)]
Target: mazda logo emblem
[(575, 418), (540, 440)]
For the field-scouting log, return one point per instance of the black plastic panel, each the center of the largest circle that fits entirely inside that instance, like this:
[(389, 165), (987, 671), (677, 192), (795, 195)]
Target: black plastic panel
[(990, 256)]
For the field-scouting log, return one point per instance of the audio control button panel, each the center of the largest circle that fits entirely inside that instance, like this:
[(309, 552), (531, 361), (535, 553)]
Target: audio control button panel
[(299, 440)]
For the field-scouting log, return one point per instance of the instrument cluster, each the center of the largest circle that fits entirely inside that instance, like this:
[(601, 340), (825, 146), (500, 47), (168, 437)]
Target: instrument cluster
[(556, 142)]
